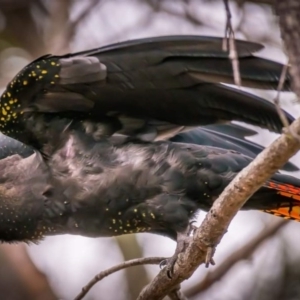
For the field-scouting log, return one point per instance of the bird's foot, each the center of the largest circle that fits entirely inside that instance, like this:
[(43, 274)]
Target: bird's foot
[(183, 240)]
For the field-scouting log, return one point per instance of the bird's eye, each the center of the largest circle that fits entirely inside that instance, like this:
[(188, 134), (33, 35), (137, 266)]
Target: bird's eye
[(48, 193)]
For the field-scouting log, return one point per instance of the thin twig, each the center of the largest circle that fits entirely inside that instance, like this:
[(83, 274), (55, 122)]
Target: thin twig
[(276, 100), (126, 264), (229, 34), (240, 254)]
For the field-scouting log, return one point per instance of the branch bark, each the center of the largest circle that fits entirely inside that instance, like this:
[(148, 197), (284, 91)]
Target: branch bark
[(289, 20), (246, 182), (240, 254)]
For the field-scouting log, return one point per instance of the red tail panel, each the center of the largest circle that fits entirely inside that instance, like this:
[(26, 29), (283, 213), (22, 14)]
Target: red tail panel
[(288, 191)]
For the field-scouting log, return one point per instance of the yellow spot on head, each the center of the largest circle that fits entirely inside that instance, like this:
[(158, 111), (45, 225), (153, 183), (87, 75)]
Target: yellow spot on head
[(52, 63), (135, 210), (44, 72), (38, 66), (11, 101), (8, 107), (52, 82), (8, 94), (56, 76), (4, 112), (25, 82)]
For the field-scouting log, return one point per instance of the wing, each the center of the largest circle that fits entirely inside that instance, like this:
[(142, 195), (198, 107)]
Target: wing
[(229, 136), (225, 136), (232, 129), (9, 147), (149, 88)]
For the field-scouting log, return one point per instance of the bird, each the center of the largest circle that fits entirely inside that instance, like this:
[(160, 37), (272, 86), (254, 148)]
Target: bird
[(159, 190), (100, 123), (108, 188)]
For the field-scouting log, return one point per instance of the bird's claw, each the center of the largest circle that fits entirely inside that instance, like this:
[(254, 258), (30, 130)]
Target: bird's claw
[(163, 263), (192, 228), (183, 240)]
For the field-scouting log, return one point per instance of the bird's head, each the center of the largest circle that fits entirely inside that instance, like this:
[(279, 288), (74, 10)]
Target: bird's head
[(28, 200)]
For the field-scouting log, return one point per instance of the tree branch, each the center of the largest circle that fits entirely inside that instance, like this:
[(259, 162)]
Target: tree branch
[(126, 264), (289, 20), (240, 254)]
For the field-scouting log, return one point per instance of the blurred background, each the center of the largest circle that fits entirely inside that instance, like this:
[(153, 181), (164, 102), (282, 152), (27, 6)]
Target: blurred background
[(257, 258)]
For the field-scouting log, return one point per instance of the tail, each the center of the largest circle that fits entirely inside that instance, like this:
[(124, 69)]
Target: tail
[(280, 196), (289, 194)]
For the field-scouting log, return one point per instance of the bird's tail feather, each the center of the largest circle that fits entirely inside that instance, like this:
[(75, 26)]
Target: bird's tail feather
[(288, 194)]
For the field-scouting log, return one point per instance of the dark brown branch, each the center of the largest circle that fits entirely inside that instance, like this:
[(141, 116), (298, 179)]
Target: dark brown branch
[(243, 253), (126, 264), (19, 35), (21, 273), (289, 20)]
